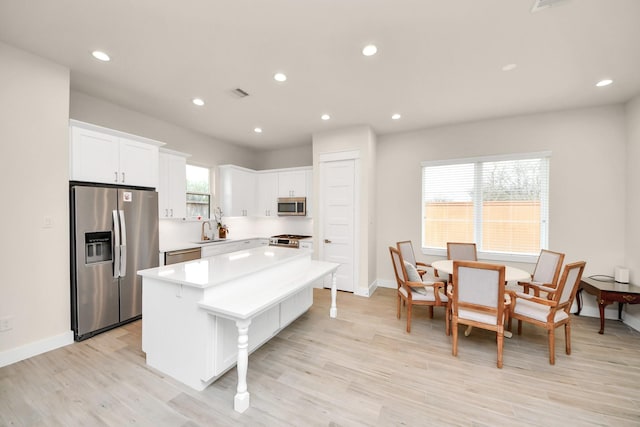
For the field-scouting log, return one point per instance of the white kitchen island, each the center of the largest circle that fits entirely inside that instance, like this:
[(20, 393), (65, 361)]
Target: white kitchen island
[(201, 318)]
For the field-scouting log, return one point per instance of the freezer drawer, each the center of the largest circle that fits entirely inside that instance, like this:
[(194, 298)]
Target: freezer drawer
[(173, 257)]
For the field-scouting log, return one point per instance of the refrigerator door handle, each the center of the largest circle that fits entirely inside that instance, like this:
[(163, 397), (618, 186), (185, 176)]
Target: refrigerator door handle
[(123, 246), (116, 245)]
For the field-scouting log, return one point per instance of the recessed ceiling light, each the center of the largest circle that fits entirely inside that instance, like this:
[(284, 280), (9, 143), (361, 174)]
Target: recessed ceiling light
[(396, 116), (197, 101), (369, 50), (509, 67), (605, 82), (325, 117), (258, 130), (101, 56), (280, 77)]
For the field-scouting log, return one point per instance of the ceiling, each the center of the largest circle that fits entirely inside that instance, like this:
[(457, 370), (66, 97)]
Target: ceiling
[(438, 62)]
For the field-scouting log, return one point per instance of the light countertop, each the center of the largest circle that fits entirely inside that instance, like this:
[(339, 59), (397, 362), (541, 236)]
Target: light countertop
[(218, 269), (177, 246)]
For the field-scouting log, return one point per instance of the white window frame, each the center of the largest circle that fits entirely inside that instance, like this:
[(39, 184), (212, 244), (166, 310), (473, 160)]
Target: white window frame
[(209, 195), (484, 255)]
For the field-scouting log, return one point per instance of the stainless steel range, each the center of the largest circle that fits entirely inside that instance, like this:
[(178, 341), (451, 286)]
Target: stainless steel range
[(287, 240)]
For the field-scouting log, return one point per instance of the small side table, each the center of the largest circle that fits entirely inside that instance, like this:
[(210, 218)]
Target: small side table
[(607, 292)]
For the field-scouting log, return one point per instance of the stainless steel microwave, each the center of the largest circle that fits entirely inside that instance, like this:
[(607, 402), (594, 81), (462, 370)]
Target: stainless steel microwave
[(292, 206)]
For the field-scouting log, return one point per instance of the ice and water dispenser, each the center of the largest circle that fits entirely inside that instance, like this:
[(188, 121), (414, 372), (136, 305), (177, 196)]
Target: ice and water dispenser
[(97, 247)]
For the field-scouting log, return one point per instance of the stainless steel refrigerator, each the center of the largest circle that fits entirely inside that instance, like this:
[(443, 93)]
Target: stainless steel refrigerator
[(114, 233)]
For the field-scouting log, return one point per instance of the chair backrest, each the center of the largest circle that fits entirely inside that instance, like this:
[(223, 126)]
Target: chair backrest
[(406, 250), (462, 251), (479, 287), (548, 267), (398, 266), (568, 285)]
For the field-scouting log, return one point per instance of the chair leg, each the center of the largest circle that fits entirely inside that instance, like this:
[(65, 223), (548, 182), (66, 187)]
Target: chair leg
[(519, 326), (430, 312), (454, 327), (447, 319), (552, 345), (399, 306), (500, 342), (567, 337), (409, 317)]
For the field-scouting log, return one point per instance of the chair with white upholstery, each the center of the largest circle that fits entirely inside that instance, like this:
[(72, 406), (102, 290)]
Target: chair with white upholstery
[(406, 249), (477, 299), (552, 311), (414, 290), (546, 272), (462, 251)]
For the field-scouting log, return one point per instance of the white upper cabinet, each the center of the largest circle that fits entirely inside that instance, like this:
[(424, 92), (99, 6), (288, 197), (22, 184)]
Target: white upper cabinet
[(292, 184), (267, 193), (172, 184), (111, 157), (237, 191)]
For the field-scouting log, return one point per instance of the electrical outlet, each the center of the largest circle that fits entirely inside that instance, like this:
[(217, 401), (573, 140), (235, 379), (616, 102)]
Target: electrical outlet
[(47, 222), (6, 323)]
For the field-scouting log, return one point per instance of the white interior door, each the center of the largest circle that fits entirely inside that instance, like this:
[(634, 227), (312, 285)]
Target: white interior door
[(338, 219)]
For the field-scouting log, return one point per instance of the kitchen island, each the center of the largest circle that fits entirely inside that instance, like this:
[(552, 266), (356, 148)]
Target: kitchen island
[(200, 318)]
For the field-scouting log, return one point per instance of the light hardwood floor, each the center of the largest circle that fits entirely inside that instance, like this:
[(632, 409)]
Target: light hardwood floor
[(359, 369)]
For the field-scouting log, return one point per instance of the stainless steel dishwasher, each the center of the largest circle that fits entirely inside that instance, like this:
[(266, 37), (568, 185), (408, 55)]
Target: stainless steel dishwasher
[(172, 257)]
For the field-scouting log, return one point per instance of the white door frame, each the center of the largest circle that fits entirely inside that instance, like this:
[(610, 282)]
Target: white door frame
[(333, 157)]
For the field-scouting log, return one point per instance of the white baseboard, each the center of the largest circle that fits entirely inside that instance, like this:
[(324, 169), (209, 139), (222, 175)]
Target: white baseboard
[(26, 351), (632, 321), (368, 291)]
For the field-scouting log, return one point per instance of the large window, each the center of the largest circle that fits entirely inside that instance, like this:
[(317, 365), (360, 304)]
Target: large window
[(198, 192), (500, 203)]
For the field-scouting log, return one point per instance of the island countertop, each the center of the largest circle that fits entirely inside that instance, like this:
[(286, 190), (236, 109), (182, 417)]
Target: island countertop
[(218, 269)]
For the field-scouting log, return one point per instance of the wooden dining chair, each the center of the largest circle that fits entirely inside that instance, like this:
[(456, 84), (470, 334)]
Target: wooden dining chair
[(406, 249), (546, 272), (414, 290), (477, 299), (462, 251), (553, 311)]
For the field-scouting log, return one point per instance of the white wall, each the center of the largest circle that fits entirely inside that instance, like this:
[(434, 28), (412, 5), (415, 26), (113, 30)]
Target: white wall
[(34, 289), (290, 157), (632, 259), (362, 139), (587, 188)]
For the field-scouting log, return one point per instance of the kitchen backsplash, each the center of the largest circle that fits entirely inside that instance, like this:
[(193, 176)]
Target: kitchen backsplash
[(176, 232)]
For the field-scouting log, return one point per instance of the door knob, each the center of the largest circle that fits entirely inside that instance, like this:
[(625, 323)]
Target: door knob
[(327, 241)]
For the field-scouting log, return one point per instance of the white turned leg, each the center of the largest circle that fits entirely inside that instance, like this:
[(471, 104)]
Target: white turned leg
[(241, 400), (333, 312)]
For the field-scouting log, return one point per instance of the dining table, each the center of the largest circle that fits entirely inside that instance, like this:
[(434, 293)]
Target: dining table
[(511, 274)]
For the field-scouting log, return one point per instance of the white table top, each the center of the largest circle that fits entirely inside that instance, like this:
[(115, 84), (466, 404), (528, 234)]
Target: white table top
[(510, 273), (211, 271)]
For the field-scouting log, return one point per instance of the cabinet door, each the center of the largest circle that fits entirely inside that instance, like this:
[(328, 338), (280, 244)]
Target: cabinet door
[(138, 163), (238, 191), (172, 186), (94, 156), (267, 194), (292, 184)]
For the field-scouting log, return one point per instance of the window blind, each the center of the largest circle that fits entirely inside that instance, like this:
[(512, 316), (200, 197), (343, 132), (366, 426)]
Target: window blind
[(500, 203)]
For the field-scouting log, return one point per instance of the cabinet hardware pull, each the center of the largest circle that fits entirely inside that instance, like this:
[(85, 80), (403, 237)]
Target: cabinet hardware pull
[(327, 241), (171, 212), (122, 176), (116, 173)]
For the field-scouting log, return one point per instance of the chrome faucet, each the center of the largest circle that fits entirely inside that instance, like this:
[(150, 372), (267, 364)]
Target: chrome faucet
[(204, 236)]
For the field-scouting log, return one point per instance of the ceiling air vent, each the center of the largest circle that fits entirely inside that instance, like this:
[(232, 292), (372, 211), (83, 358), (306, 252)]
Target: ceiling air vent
[(240, 93), (539, 5)]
